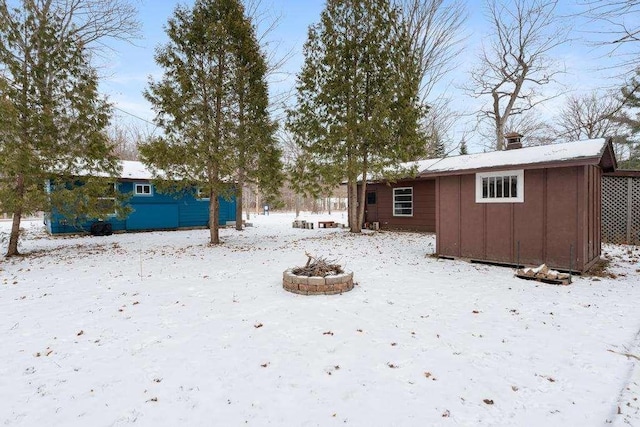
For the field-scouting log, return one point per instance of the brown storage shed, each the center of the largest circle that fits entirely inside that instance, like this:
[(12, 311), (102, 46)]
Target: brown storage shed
[(525, 206)]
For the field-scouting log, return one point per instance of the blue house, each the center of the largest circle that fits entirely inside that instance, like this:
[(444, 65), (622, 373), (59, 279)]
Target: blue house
[(151, 210)]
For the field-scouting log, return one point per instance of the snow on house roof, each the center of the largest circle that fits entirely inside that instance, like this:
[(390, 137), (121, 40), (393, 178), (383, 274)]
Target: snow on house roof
[(134, 170), (585, 149)]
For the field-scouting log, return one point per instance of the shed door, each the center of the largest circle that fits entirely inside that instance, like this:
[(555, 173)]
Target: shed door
[(153, 217), (371, 206)]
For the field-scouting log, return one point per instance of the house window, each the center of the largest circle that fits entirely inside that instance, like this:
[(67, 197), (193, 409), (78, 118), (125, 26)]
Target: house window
[(403, 201), (106, 205), (371, 198), (500, 187), (142, 190)]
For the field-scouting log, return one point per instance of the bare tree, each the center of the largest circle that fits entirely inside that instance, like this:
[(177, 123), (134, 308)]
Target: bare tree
[(516, 63), (267, 21), (534, 129), (618, 27), (92, 21), (589, 116), (125, 138), (439, 124), (435, 29)]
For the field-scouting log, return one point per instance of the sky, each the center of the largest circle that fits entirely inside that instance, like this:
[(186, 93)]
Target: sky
[(127, 68)]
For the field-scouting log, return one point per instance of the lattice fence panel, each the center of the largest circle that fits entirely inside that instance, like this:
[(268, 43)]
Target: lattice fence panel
[(614, 209), (635, 212)]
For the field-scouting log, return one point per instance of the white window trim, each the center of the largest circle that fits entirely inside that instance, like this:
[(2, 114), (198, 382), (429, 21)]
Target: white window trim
[(142, 184), (394, 201), (520, 186)]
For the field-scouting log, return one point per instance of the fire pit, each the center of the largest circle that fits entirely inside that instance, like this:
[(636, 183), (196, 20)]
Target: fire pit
[(317, 277)]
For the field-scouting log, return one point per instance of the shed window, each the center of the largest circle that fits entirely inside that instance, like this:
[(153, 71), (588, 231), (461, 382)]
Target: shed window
[(500, 187), (403, 201), (142, 190), (371, 198)]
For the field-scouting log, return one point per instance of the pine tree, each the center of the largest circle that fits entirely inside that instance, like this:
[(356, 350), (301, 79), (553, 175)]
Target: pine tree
[(257, 154), (212, 104), (357, 108), (53, 119), (463, 147), (631, 99)]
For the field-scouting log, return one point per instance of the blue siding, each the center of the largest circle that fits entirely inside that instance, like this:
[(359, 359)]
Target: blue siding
[(153, 217), (158, 211)]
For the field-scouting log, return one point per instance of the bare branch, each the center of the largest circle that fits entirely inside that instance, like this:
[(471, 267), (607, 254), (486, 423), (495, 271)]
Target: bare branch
[(515, 62), (435, 29)]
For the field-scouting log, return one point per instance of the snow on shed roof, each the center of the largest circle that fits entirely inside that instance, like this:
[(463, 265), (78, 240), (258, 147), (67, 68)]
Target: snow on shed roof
[(585, 149)]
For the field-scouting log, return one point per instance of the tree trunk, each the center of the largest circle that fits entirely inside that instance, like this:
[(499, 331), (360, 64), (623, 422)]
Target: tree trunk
[(297, 205), (239, 202), (214, 229), (329, 205), (246, 196), (15, 234), (12, 250), (363, 194), (257, 201), (499, 122), (355, 223)]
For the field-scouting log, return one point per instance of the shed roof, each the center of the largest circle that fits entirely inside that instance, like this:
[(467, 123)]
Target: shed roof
[(591, 151)]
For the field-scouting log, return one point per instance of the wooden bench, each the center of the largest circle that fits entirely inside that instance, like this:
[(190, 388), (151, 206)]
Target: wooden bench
[(326, 224)]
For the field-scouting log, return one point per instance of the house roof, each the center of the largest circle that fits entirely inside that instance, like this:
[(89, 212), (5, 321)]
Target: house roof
[(134, 170), (592, 151)]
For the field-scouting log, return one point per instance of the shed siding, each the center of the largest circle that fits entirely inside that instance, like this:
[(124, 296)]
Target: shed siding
[(498, 226), (528, 220), (558, 202), (472, 231), (424, 206), (562, 187), (448, 228)]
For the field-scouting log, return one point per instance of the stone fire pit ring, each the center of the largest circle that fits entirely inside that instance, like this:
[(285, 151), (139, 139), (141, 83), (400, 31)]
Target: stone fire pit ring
[(316, 285)]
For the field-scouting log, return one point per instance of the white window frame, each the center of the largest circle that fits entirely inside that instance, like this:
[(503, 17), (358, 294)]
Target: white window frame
[(113, 199), (137, 185), (519, 174), (404, 201)]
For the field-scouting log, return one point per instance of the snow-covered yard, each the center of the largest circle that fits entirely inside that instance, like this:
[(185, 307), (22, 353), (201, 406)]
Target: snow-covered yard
[(161, 329)]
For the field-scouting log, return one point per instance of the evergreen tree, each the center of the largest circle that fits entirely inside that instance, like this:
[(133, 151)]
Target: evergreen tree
[(212, 104), (631, 99), (463, 147), (357, 108), (52, 118), (257, 154)]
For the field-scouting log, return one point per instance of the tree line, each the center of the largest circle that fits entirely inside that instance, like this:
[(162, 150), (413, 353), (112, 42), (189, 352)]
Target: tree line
[(363, 98)]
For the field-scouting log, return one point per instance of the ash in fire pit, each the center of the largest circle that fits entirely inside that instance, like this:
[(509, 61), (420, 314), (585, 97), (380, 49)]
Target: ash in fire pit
[(317, 277)]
